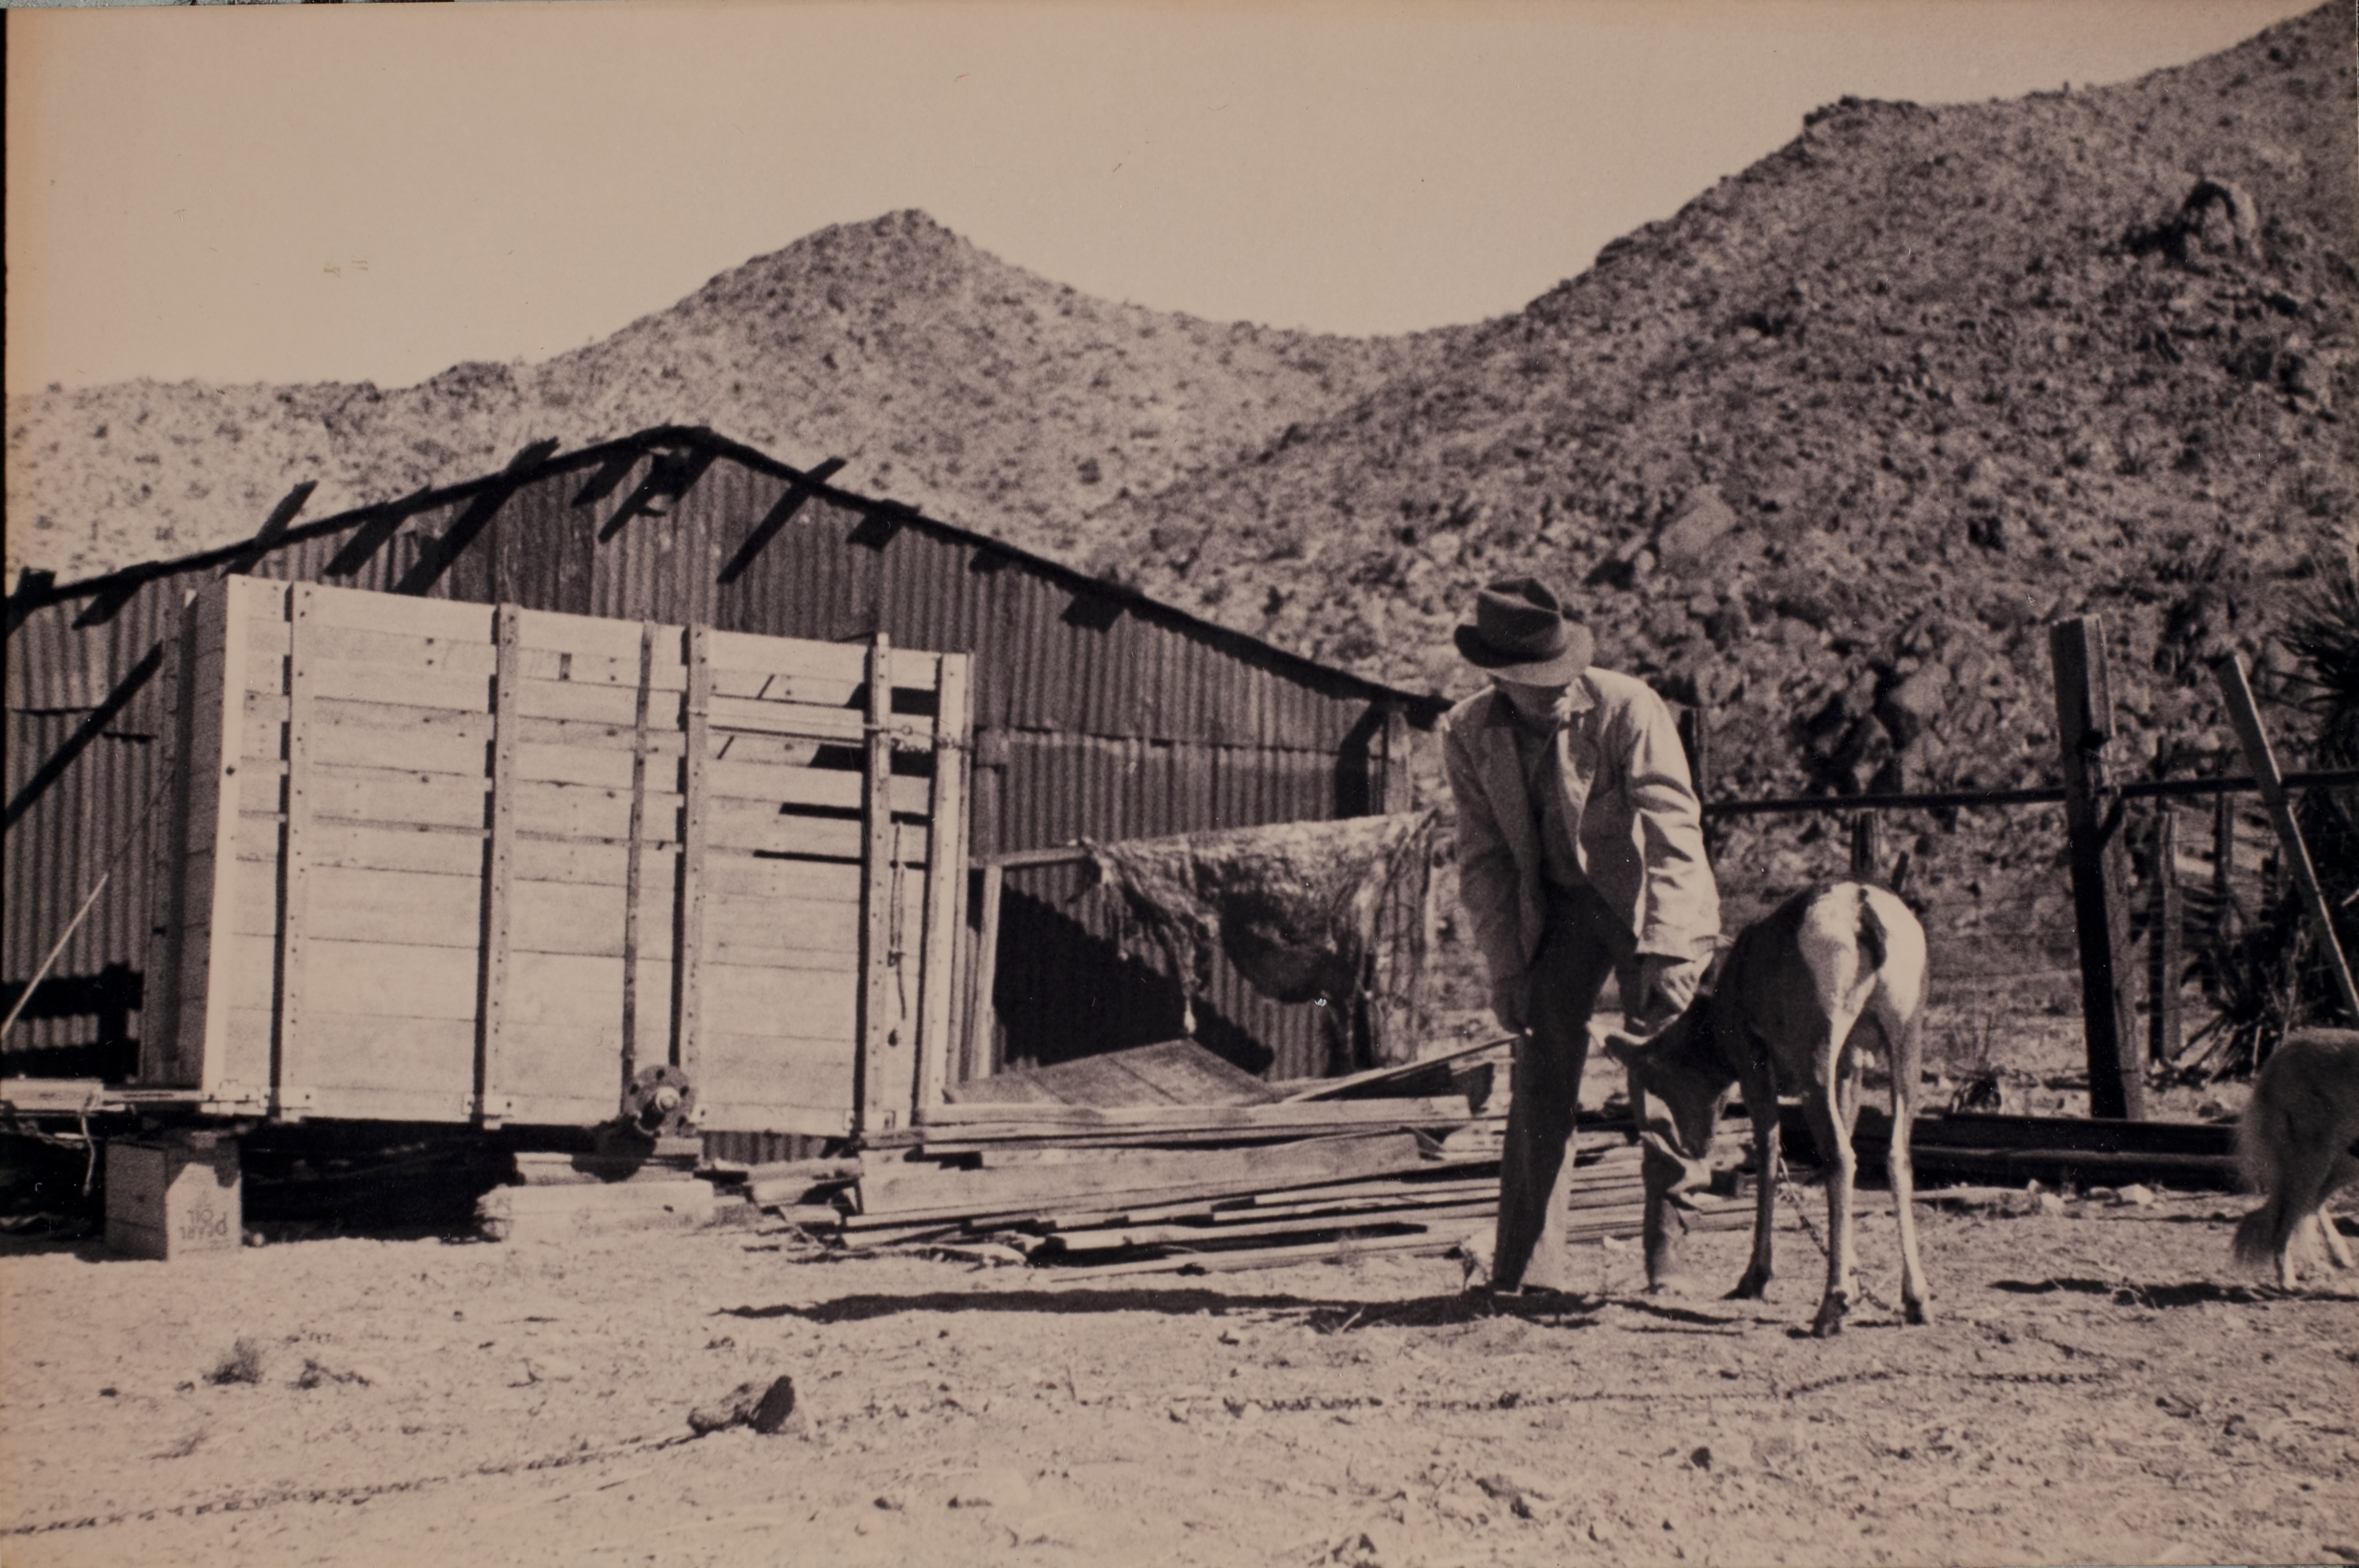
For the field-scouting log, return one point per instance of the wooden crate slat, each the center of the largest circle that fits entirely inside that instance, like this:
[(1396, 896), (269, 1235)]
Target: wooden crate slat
[(457, 620), (362, 1051), (945, 892), (290, 1062), (222, 620)]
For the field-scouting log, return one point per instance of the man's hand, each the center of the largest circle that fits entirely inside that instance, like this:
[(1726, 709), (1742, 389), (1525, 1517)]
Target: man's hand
[(1666, 986), (1511, 1003)]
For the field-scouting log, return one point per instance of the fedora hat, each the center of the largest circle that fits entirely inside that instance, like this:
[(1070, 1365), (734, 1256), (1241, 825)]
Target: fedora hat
[(1520, 633)]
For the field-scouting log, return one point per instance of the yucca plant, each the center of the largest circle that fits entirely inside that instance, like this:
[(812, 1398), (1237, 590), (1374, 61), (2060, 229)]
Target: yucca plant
[(2325, 635)]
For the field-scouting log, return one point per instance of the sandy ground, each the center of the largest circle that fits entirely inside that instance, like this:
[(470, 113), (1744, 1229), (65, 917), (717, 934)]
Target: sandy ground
[(2099, 1386)]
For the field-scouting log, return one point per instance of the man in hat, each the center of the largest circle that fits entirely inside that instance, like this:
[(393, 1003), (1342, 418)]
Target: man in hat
[(1580, 854)]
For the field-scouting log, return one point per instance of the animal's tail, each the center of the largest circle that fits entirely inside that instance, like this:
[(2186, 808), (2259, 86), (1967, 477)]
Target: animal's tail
[(2261, 1234), (1872, 943)]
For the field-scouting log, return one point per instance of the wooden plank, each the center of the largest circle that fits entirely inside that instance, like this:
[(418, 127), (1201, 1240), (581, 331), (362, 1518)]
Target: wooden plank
[(2084, 719), (350, 682), (912, 671), (452, 620), (1005, 1118), (2166, 942), (224, 616), (839, 726), (945, 884), (890, 1191), (1333, 1087), (499, 875), (688, 990), (722, 1115), (358, 1052), (879, 1105), (635, 859), (1119, 1239), (798, 1004), (290, 1077), (376, 846), (1174, 1071), (982, 1011)]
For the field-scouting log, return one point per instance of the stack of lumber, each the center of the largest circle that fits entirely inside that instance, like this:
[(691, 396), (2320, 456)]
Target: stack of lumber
[(1236, 1175), (2013, 1150)]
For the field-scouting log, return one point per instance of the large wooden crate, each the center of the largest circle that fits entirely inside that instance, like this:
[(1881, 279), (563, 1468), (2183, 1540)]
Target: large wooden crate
[(441, 861)]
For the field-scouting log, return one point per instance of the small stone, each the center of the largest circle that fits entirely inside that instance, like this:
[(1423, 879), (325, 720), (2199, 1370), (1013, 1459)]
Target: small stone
[(732, 1409), (1701, 1458), (2136, 1195), (2048, 1203), (775, 1412)]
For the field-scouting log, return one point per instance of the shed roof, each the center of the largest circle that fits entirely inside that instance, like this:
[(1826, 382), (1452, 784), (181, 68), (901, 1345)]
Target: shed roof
[(64, 681)]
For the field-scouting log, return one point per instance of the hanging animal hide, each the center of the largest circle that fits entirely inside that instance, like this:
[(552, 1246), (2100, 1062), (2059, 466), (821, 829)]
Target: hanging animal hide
[(1332, 913)]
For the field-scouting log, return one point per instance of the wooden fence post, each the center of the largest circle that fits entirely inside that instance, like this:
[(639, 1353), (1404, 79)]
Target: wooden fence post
[(1866, 848), (2224, 864), (2295, 857), (2092, 818), (2166, 946)]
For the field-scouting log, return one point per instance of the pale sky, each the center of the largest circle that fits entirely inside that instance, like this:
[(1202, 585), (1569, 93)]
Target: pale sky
[(376, 192)]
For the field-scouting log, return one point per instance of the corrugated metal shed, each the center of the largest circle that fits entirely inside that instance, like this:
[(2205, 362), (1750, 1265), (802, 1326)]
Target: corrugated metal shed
[(1099, 712)]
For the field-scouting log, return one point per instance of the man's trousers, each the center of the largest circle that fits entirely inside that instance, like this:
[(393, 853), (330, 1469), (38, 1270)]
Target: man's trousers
[(1583, 944)]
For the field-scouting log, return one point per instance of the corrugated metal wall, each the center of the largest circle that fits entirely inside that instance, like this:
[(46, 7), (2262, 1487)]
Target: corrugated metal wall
[(1099, 714)]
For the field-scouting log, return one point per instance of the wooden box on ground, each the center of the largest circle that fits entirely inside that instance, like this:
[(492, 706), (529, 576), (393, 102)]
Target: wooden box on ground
[(441, 861), (173, 1197)]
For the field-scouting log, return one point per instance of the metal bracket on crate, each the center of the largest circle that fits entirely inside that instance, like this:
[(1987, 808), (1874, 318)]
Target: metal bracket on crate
[(233, 1098), (489, 1110)]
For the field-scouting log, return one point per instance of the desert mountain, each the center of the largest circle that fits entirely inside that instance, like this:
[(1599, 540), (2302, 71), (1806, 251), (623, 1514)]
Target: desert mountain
[(1826, 449), (949, 379)]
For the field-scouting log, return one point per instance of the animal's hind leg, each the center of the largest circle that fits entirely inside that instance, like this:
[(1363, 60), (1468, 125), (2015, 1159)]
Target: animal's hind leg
[(1916, 1297), (1761, 1103), (2345, 1172), (1824, 1104), (2304, 1182)]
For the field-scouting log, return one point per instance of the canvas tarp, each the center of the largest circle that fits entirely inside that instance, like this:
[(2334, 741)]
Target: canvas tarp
[(1335, 912)]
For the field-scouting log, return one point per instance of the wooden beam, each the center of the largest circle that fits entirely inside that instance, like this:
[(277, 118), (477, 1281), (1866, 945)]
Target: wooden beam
[(224, 613), (1866, 848), (54, 768), (2224, 864), (2166, 943), (945, 886), (31, 592), (499, 861), (438, 553), (369, 537), (1335, 1087), (2093, 815), (290, 1089), (801, 490), (274, 528), (634, 857), (879, 1033), (688, 967), (2255, 738), (983, 1016)]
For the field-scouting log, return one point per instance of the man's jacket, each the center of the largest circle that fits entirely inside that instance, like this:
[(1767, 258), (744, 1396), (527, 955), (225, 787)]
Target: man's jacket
[(1628, 802)]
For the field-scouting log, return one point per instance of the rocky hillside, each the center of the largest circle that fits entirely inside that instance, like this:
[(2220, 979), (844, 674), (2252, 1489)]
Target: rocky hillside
[(949, 379), (1827, 447)]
